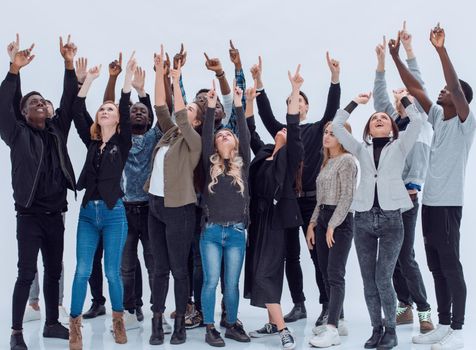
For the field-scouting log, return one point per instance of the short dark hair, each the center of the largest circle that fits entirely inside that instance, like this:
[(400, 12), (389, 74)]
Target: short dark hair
[(201, 91), (26, 97), (304, 96), (366, 134), (467, 90)]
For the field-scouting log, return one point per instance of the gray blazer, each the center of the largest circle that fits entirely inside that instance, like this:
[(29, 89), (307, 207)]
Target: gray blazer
[(391, 191)]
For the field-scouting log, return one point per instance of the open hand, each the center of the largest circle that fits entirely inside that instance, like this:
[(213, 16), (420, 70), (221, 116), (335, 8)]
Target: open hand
[(138, 82), (93, 72), (81, 69)]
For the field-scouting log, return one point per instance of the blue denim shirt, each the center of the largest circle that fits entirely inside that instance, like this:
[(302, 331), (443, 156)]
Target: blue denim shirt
[(138, 167)]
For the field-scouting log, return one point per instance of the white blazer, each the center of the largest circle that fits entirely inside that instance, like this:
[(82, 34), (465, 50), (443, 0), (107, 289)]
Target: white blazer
[(391, 191)]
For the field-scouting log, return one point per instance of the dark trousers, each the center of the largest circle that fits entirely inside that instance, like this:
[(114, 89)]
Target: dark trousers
[(378, 239), (37, 232), (197, 261), (441, 234), (138, 221), (333, 260), (171, 233), (293, 251), (407, 278)]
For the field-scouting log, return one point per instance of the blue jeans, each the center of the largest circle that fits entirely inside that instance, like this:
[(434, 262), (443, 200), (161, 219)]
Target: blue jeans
[(96, 220), (219, 241)]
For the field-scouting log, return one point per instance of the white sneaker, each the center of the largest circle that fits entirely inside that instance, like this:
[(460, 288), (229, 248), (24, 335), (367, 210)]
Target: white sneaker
[(342, 328), (432, 337), (326, 338), (31, 314), (166, 326), (452, 341), (319, 329), (63, 316)]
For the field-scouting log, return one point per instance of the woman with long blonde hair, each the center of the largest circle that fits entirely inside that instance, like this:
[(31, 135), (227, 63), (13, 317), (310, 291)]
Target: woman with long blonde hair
[(226, 159), (330, 230)]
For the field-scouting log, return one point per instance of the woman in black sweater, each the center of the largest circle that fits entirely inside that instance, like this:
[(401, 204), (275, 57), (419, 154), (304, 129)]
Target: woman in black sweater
[(273, 209), (102, 213)]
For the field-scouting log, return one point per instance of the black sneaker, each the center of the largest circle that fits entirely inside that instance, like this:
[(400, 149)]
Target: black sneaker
[(17, 342), (268, 329), (287, 340), (139, 314), (95, 311), (56, 330), (236, 332), (322, 319), (213, 338), (298, 312)]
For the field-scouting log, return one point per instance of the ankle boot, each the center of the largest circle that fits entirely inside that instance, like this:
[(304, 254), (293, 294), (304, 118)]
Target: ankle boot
[(75, 336), (388, 340), (179, 336), (374, 340), (118, 328), (157, 336), (298, 312)]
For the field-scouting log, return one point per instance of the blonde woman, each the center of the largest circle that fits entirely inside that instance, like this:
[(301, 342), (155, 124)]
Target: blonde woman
[(330, 230), (226, 159)]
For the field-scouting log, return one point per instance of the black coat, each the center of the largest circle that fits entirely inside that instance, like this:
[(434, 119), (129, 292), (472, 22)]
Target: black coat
[(286, 163)]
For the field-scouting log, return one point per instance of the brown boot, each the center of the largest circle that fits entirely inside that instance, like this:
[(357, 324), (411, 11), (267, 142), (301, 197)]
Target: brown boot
[(404, 314), (118, 329), (425, 321), (75, 336)]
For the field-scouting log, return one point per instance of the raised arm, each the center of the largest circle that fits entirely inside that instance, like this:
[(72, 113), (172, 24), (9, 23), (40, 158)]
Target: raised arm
[(208, 135), (333, 97), (138, 83), (264, 107), (115, 68), (243, 132), (294, 147), (437, 38), (255, 140), (410, 136), (125, 134), (182, 58), (12, 50), (411, 83), (161, 108)]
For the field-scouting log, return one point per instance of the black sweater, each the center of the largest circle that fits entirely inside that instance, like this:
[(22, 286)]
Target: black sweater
[(311, 133), (107, 179)]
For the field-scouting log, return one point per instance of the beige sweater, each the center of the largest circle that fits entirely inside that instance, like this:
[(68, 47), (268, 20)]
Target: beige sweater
[(183, 155)]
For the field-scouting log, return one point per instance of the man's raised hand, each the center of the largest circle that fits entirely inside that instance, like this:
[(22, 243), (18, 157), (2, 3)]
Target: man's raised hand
[(181, 56), (437, 37), (235, 56), (68, 50), (13, 48), (334, 67), (115, 67)]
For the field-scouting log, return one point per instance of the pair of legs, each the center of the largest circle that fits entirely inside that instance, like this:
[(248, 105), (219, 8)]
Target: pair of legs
[(293, 251), (378, 238), (97, 221), (216, 243), (34, 295), (333, 260), (37, 232), (441, 227), (407, 278)]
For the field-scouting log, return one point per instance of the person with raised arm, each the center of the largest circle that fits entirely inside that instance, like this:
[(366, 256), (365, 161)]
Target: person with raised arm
[(274, 209), (311, 135), (102, 214), (41, 175), (378, 203), (226, 160), (172, 199), (407, 278), (454, 126), (330, 231)]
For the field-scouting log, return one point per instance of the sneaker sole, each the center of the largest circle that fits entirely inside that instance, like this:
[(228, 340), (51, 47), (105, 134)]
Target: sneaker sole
[(325, 346), (238, 339), (257, 335), (218, 345), (404, 322)]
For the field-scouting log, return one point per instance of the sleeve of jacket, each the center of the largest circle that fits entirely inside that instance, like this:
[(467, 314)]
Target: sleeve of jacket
[(208, 139), (191, 137), (255, 141), (415, 70), (344, 137), (8, 121), (82, 120), (163, 118), (64, 112), (410, 136), (243, 135), (294, 147), (266, 114), (333, 103), (381, 100), (125, 134)]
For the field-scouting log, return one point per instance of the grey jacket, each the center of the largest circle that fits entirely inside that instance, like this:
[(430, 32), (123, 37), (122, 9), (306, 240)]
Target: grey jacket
[(392, 194)]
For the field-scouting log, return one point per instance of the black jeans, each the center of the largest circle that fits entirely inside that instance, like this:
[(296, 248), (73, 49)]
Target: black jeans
[(407, 278), (293, 251), (333, 260), (138, 221), (378, 239), (171, 233), (197, 261), (37, 232), (441, 234)]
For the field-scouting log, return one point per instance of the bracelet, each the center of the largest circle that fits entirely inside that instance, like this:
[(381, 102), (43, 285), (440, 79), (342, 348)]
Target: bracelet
[(220, 75)]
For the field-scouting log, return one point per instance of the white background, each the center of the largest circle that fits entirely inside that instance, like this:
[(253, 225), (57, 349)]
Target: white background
[(285, 34)]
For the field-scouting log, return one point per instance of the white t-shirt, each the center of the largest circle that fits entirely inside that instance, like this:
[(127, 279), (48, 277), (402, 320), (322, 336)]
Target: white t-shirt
[(157, 178), (452, 139)]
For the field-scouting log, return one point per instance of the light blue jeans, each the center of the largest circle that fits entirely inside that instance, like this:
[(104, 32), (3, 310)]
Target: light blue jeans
[(96, 220), (217, 241)]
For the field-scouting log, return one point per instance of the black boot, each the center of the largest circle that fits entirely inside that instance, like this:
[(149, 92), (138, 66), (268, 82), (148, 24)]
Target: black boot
[(139, 314), (236, 332), (374, 340), (17, 342), (322, 319), (213, 337), (157, 336), (95, 311), (56, 330), (388, 340), (179, 335), (298, 312)]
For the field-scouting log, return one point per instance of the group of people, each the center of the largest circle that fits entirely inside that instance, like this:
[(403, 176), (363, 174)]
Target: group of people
[(189, 189)]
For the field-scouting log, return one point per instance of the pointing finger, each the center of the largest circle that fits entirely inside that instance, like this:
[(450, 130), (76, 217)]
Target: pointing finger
[(120, 58), (206, 56), (231, 45)]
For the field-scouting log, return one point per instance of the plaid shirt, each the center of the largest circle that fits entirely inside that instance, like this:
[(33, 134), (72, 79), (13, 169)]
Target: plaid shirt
[(241, 83)]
